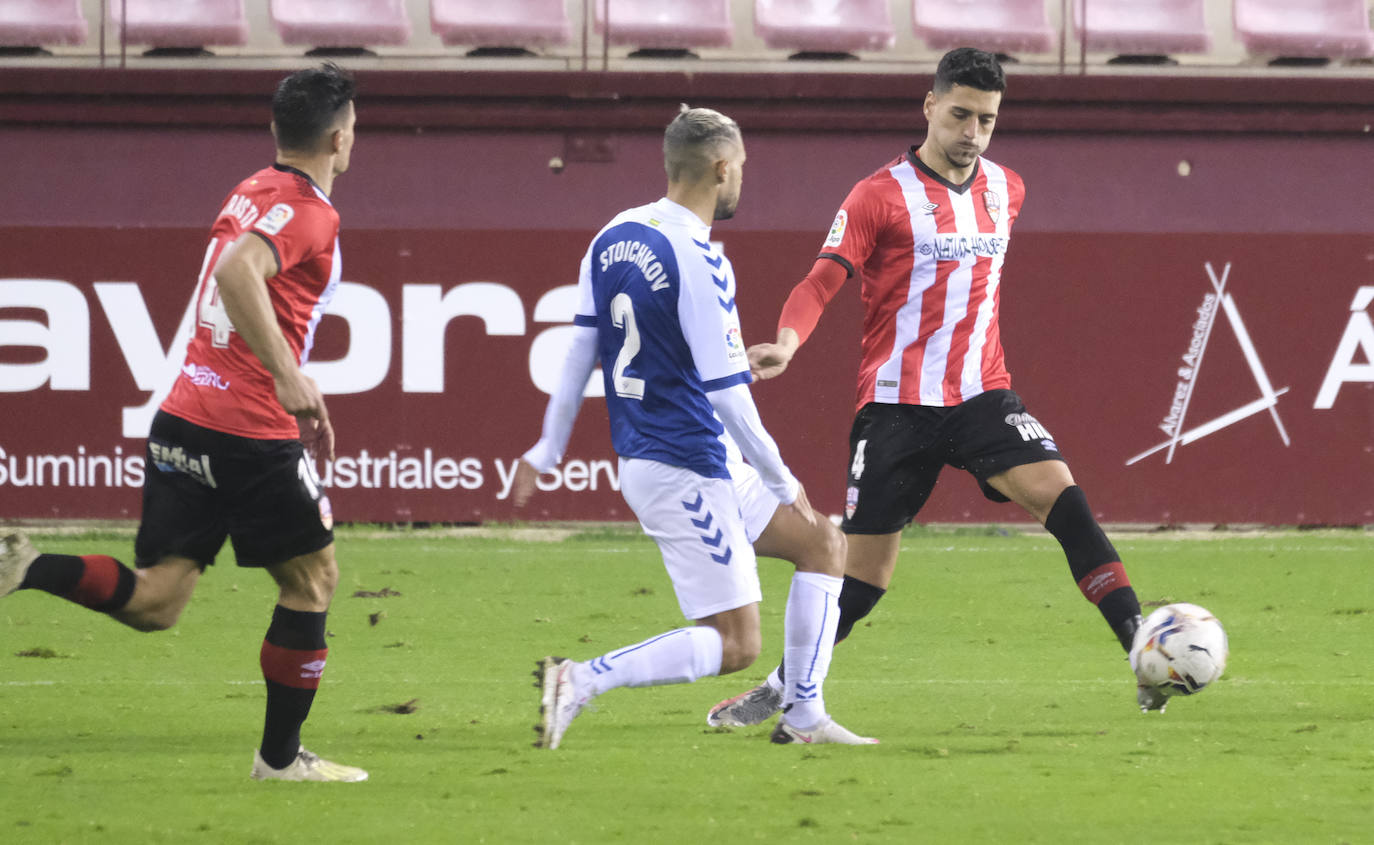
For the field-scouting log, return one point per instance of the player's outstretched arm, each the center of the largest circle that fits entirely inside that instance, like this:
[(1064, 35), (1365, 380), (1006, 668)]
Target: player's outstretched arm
[(800, 313), (559, 415)]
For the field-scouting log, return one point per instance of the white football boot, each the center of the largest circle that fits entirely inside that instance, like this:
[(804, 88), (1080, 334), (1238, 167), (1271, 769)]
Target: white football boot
[(17, 554), (828, 731), (307, 766), (561, 699)]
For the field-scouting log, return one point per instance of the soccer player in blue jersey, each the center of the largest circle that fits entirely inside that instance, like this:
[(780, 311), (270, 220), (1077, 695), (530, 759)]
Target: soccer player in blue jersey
[(657, 309)]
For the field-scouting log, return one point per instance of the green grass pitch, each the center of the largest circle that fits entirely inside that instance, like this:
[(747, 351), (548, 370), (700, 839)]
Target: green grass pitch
[(1005, 708)]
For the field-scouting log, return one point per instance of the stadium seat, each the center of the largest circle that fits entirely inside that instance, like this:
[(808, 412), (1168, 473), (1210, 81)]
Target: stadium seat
[(1304, 28), (181, 24), (999, 26), (664, 24), (341, 23), (1135, 28), (512, 23), (32, 23), (824, 26)]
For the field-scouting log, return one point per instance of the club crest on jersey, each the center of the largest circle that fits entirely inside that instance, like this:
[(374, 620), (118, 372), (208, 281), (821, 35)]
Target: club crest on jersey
[(993, 203), (276, 217), (837, 228)]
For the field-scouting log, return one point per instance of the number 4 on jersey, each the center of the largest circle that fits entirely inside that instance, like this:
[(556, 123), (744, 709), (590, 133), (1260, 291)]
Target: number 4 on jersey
[(210, 312)]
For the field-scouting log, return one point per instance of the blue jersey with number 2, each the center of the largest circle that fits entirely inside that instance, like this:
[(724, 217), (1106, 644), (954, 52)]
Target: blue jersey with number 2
[(662, 300)]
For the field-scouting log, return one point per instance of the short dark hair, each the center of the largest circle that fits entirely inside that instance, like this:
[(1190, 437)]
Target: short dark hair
[(307, 103), (972, 68)]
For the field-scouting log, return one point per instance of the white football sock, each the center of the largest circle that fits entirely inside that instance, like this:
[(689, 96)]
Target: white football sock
[(677, 657), (774, 680), (813, 613)]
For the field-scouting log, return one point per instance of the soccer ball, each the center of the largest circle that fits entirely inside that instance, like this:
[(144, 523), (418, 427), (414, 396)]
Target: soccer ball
[(1179, 649)]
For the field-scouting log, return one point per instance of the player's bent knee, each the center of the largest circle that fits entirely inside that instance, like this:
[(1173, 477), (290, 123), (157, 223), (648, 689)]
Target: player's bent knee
[(740, 651), (308, 581)]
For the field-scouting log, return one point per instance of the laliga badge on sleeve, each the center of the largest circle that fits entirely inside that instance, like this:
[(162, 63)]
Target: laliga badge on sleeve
[(837, 228), (275, 218)]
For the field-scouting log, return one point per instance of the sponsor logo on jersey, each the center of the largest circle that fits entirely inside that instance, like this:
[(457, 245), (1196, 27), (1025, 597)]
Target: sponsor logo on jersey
[(993, 203), (837, 228), (638, 254), (276, 217), (734, 343), (929, 208), (169, 458), (202, 376), (952, 246)]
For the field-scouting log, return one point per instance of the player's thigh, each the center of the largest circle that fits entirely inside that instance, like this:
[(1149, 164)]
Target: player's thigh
[(183, 515), (695, 522), (893, 466), (992, 434), (277, 509)]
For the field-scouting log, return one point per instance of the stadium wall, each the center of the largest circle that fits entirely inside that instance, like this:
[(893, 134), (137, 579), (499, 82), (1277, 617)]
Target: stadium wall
[(1186, 305)]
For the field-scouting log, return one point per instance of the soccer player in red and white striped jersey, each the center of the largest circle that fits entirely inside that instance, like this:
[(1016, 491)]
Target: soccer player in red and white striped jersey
[(927, 235), (227, 453)]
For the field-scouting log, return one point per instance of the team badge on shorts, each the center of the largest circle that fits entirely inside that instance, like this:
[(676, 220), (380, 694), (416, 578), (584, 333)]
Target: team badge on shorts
[(993, 203), (851, 501), (326, 513)]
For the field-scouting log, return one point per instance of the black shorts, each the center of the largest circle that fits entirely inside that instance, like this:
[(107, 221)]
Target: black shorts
[(201, 486), (896, 453)]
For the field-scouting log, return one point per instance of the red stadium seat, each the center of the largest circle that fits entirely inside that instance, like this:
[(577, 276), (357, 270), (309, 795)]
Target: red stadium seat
[(824, 26), (1304, 28), (341, 23), (30, 23), (665, 24), (181, 23), (1135, 27), (511, 23), (999, 26)]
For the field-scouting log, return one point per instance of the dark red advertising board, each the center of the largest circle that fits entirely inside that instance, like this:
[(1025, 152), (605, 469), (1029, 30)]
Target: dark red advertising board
[(1190, 317)]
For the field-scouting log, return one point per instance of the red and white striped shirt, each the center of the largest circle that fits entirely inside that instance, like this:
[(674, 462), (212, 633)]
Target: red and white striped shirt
[(929, 254)]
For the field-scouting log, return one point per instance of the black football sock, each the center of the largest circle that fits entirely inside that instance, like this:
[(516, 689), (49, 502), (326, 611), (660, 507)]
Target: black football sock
[(293, 656), (1094, 563), (857, 599), (96, 581)]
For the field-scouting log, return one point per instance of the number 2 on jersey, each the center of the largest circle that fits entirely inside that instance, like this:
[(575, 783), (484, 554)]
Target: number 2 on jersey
[(623, 316)]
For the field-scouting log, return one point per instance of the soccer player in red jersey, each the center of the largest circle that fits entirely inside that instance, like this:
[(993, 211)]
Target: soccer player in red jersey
[(927, 234), (231, 451)]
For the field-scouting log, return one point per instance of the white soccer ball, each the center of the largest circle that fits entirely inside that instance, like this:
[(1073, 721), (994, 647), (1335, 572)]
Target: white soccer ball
[(1179, 649)]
